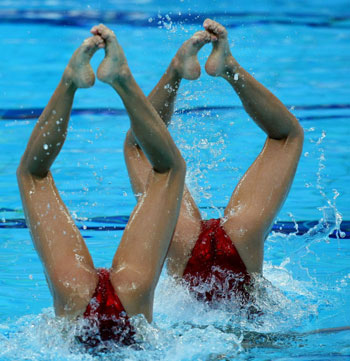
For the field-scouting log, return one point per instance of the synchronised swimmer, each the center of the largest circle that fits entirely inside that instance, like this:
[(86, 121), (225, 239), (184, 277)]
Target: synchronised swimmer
[(166, 222)]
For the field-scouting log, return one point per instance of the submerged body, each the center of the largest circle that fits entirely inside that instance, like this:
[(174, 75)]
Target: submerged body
[(107, 318), (215, 270)]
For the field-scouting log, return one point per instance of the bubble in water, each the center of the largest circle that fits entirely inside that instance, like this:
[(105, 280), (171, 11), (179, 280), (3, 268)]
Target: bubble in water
[(45, 146)]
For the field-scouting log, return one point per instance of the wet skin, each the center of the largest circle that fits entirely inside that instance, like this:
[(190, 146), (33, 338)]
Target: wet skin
[(156, 171)]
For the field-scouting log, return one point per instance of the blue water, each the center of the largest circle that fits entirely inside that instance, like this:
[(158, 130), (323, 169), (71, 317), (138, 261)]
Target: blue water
[(300, 52)]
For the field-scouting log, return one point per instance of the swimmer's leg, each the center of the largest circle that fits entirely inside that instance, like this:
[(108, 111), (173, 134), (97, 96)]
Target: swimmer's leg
[(140, 256), (67, 263), (262, 190), (184, 65)]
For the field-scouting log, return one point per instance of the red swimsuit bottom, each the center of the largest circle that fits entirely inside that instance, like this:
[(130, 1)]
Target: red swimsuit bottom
[(215, 270), (107, 319)]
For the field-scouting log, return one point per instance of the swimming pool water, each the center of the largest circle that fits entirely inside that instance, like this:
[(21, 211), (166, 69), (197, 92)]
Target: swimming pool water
[(300, 52)]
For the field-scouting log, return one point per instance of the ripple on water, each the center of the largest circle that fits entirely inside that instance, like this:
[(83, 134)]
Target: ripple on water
[(186, 329)]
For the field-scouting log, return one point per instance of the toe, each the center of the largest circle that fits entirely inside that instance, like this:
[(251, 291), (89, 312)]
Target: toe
[(105, 32), (220, 30), (99, 41), (90, 45), (94, 30), (102, 30), (201, 37), (210, 25), (214, 27), (206, 23)]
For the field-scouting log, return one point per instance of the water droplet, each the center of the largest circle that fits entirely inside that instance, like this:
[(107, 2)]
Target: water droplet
[(45, 146)]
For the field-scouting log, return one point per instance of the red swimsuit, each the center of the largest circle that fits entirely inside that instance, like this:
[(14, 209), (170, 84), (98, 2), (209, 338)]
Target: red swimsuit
[(107, 317), (215, 270)]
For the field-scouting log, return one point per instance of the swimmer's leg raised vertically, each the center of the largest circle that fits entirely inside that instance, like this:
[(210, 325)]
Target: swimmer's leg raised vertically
[(67, 263), (262, 190), (184, 65), (140, 256)]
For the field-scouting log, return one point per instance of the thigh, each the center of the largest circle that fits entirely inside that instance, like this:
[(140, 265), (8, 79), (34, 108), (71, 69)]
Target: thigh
[(67, 262), (140, 256), (189, 221), (258, 197)]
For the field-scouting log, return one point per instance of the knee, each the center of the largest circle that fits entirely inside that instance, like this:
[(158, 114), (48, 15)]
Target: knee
[(22, 175), (180, 165), (130, 140), (298, 136), (299, 132)]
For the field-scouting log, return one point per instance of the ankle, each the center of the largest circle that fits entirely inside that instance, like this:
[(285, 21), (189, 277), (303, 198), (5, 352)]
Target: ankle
[(174, 70), (231, 67), (173, 75), (121, 77), (67, 80)]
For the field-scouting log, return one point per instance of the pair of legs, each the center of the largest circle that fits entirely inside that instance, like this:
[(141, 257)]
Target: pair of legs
[(137, 264), (262, 190)]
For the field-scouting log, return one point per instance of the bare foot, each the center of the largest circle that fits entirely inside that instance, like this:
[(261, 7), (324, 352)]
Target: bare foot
[(220, 61), (185, 62), (114, 66), (78, 70)]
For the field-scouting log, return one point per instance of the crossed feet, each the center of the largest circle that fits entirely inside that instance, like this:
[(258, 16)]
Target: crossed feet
[(114, 67)]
